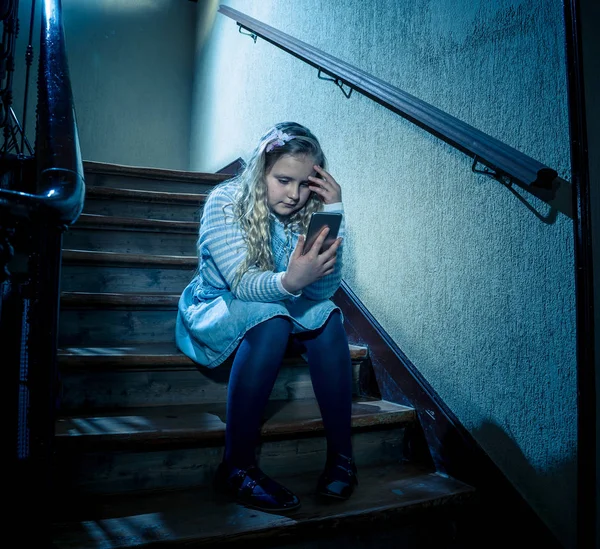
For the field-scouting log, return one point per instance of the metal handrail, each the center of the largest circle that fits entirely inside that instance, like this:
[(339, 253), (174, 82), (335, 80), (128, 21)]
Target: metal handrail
[(505, 161), (60, 179)]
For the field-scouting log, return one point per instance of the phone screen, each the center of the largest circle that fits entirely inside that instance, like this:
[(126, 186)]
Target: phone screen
[(319, 220)]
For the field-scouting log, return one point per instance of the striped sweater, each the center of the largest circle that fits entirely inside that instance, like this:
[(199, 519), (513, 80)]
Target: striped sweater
[(221, 249)]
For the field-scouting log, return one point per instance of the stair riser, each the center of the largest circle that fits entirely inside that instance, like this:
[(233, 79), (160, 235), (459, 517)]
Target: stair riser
[(146, 184), (113, 390), (122, 472), (92, 328), (127, 208), (97, 278), (134, 242)]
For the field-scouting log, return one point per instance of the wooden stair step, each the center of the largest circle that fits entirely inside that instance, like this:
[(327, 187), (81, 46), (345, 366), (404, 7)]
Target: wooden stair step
[(93, 300), (205, 423), (102, 233), (135, 206), (161, 203), (181, 466), (147, 356), (137, 195), (402, 495), (95, 221), (161, 174), (159, 374), (116, 319), (86, 257), (177, 446), (113, 272)]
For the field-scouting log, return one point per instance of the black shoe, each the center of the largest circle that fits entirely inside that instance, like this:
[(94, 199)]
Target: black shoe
[(339, 478), (252, 488)]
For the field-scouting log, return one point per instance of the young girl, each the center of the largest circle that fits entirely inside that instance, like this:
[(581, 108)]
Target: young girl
[(255, 289)]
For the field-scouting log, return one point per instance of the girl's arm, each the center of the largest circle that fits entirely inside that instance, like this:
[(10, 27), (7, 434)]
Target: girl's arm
[(222, 249)]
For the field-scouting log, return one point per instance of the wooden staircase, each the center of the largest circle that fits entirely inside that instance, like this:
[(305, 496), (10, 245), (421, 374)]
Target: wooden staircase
[(141, 428)]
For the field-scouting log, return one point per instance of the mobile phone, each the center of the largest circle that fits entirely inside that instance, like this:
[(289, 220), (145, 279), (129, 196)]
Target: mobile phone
[(319, 220)]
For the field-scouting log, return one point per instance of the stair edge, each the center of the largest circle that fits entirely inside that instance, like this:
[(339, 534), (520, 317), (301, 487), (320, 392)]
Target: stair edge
[(181, 176)]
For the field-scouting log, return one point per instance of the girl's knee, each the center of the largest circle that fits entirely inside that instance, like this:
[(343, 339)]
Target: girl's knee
[(334, 327), (330, 338), (277, 328), (335, 318)]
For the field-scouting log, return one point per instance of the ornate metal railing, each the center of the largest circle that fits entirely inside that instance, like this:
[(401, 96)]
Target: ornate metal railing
[(59, 181), (41, 194)]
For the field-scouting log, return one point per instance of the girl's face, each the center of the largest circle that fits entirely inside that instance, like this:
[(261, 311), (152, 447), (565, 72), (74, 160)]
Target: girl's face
[(287, 184)]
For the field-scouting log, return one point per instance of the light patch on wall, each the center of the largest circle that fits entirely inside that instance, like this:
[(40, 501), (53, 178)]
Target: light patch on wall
[(206, 22), (124, 5)]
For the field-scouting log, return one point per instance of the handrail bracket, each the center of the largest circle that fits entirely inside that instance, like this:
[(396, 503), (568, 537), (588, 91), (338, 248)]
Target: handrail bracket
[(249, 33), (338, 82), (494, 174)]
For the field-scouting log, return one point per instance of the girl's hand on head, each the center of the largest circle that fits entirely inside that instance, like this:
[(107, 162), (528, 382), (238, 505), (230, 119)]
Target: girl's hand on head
[(304, 269), (325, 186)]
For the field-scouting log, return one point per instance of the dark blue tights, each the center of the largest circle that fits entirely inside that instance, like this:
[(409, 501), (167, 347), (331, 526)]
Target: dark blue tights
[(255, 368)]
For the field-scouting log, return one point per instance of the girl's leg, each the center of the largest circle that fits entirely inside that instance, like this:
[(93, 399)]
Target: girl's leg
[(251, 381), (331, 373)]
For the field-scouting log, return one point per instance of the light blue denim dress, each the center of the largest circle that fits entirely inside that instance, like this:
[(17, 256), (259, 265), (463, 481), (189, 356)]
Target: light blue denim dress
[(211, 319)]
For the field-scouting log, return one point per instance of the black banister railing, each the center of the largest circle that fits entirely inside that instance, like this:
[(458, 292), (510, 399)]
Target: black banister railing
[(41, 195), (505, 161), (59, 169)]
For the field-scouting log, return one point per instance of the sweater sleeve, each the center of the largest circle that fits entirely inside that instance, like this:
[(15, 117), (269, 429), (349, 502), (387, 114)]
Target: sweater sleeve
[(222, 240)]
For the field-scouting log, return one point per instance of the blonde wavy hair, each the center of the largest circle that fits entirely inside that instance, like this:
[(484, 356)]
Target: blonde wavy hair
[(250, 207)]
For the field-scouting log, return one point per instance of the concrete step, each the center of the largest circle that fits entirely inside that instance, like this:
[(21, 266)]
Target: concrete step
[(181, 445)]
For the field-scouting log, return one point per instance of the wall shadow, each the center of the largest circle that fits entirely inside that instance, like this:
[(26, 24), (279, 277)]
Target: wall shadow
[(505, 512), (559, 197)]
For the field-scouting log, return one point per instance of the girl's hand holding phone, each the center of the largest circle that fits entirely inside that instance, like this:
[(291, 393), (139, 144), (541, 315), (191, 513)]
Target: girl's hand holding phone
[(325, 186), (304, 269)]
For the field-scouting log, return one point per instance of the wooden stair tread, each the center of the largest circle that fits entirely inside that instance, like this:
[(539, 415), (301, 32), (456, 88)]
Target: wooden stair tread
[(198, 517), (146, 355), (97, 221), (180, 424), (108, 300), (110, 193), (162, 174), (85, 257)]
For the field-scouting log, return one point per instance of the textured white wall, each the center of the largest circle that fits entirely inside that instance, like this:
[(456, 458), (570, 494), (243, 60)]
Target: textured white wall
[(131, 67), (473, 286)]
